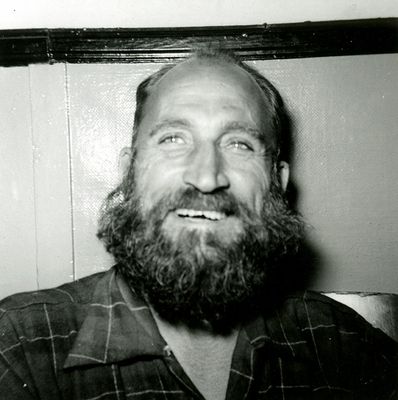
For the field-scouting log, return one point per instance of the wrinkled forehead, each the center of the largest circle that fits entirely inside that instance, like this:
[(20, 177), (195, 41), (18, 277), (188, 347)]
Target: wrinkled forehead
[(220, 73), (212, 78)]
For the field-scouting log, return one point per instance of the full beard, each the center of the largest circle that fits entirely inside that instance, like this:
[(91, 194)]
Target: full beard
[(196, 278)]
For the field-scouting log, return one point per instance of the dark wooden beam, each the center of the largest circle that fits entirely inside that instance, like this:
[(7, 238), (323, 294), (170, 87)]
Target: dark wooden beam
[(121, 45)]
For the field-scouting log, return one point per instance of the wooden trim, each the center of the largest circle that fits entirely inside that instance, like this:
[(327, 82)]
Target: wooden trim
[(120, 45)]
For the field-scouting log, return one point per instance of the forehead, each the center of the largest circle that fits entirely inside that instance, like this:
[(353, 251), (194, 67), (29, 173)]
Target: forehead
[(209, 79), (204, 90)]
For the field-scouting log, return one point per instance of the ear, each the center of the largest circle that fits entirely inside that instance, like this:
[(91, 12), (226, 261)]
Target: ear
[(283, 172), (124, 161)]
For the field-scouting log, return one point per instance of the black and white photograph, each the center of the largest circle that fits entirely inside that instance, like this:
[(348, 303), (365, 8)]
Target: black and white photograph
[(198, 200)]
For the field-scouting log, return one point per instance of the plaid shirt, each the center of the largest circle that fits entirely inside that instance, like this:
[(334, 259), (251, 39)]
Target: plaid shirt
[(83, 341)]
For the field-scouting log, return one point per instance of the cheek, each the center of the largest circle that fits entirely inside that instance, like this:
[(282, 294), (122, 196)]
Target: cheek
[(251, 184), (154, 180)]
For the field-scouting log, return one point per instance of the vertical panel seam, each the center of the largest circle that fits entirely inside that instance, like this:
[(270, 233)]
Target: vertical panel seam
[(70, 167), (32, 138)]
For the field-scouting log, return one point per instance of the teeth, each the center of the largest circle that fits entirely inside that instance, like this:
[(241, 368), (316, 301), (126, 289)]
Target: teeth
[(212, 215)]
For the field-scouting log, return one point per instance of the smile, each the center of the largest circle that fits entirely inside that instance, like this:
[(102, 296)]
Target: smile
[(200, 214)]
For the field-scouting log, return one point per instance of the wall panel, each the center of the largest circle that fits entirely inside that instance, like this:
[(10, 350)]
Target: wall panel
[(172, 13), (79, 117), (52, 178), (17, 217), (345, 166), (101, 111)]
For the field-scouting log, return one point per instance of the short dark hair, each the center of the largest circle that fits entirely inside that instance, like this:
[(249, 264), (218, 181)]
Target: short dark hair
[(279, 119)]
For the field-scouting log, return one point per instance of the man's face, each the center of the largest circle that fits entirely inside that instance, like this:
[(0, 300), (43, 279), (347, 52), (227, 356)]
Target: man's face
[(202, 222), (204, 127)]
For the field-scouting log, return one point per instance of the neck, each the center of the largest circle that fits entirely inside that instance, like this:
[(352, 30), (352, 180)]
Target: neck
[(195, 333), (205, 356)]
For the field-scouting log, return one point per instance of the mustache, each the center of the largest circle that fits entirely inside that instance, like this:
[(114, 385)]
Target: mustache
[(191, 198)]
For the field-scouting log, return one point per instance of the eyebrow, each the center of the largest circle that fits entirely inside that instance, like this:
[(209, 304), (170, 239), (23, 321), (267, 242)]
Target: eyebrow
[(169, 123), (245, 127)]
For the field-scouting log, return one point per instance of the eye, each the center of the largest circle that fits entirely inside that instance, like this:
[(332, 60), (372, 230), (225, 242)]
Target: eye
[(172, 139), (239, 145)]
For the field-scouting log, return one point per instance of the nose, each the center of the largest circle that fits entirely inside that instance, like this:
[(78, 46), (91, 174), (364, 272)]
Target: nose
[(205, 170)]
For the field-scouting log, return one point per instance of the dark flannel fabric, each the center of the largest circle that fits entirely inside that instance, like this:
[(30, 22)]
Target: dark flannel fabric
[(83, 341)]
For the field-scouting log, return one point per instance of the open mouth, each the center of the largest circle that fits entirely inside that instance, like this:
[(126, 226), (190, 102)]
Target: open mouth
[(200, 214)]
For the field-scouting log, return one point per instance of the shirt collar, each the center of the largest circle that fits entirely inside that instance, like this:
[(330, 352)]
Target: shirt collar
[(114, 330)]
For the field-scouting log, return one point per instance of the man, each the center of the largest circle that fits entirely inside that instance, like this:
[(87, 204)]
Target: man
[(200, 231)]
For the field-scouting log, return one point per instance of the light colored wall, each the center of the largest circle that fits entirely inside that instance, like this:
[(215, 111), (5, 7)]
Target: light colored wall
[(62, 127), (171, 13)]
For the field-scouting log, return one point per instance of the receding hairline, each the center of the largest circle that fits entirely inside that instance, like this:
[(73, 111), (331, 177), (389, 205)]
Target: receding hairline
[(268, 93), (207, 62)]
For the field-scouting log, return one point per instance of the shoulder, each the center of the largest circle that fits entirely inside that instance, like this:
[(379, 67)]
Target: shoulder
[(341, 340), (338, 331), (334, 328), (378, 310), (32, 319), (315, 309), (30, 307)]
